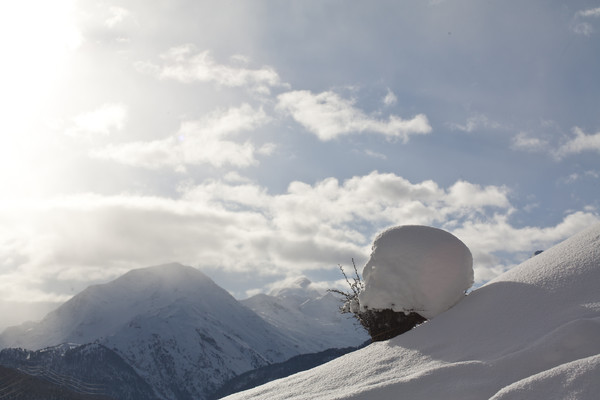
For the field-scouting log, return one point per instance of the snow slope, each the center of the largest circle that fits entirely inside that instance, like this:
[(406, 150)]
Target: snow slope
[(308, 316), (532, 333)]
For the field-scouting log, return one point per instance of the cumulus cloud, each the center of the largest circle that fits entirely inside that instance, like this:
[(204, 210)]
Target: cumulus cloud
[(204, 141), (469, 195), (185, 64), (104, 120), (329, 116), (237, 225), (581, 142)]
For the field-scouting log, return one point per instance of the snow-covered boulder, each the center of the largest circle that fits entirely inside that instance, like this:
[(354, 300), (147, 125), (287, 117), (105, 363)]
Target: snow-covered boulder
[(416, 269)]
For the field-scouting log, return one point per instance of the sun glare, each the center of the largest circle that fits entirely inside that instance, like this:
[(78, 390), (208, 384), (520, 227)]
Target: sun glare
[(35, 37)]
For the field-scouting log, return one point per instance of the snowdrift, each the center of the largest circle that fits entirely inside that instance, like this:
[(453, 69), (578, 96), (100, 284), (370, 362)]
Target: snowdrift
[(532, 333)]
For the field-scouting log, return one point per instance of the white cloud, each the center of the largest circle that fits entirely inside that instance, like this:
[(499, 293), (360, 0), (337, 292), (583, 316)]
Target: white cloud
[(104, 120), (579, 176), (584, 27), (390, 98), (523, 141), (185, 64), (579, 144), (375, 154), (295, 282), (117, 15), (203, 141), (236, 225), (494, 235), (474, 123), (152, 155), (328, 116), (592, 12), (465, 194)]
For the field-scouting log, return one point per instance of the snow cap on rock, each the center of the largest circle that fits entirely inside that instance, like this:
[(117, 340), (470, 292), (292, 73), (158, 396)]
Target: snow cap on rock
[(416, 269)]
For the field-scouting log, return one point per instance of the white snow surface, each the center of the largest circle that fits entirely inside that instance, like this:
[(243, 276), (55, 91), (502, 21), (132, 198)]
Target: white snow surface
[(416, 268), (532, 333)]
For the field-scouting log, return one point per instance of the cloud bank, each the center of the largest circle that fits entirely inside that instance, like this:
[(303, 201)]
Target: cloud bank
[(237, 226)]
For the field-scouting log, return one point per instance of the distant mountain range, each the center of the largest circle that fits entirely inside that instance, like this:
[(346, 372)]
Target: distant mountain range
[(171, 328)]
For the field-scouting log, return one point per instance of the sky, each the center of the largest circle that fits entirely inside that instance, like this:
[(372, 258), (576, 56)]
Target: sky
[(260, 141)]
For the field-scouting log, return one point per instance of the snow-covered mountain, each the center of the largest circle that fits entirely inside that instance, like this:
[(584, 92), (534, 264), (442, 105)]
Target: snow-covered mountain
[(532, 333), (180, 331), (309, 316)]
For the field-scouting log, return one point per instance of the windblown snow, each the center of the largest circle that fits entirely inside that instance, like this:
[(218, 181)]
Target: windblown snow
[(532, 333)]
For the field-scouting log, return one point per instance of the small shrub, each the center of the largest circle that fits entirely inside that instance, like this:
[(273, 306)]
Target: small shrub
[(380, 324)]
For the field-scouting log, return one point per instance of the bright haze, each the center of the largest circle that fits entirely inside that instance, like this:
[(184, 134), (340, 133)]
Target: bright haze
[(261, 141)]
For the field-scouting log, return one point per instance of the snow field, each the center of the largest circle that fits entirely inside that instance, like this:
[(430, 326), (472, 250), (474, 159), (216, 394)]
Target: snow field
[(531, 333)]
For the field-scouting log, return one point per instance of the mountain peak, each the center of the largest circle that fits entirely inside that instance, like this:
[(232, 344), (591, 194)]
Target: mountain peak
[(303, 282), (100, 310), (299, 286), (168, 271)]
